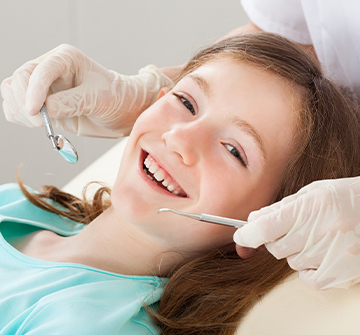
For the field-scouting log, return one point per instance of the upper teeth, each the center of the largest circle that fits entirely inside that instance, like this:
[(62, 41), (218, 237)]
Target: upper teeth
[(160, 176)]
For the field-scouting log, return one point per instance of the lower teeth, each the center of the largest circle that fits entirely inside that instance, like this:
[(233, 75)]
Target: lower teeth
[(147, 173)]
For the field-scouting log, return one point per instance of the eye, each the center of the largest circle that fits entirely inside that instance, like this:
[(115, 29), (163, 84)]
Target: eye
[(235, 152), (185, 102)]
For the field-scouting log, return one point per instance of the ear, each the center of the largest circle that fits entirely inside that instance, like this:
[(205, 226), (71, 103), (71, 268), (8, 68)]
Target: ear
[(162, 92)]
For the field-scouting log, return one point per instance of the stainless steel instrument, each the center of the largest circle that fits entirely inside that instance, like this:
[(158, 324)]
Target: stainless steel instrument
[(207, 218)]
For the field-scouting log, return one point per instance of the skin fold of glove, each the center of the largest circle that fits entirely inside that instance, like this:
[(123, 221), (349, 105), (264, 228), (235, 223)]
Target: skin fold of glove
[(81, 96), (316, 229)]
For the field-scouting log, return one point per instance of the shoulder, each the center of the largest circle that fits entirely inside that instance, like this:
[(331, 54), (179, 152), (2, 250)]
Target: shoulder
[(108, 307), (13, 201), (14, 206), (83, 317), (10, 193)]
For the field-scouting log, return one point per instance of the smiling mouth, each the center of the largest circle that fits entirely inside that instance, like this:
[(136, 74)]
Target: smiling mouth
[(161, 177)]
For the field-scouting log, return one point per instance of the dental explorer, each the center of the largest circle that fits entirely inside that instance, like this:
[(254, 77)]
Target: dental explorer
[(207, 218), (59, 142)]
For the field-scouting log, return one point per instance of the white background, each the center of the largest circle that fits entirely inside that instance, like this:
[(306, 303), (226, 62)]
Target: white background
[(122, 35)]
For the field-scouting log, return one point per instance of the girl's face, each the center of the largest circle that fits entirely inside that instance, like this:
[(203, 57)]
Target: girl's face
[(219, 141)]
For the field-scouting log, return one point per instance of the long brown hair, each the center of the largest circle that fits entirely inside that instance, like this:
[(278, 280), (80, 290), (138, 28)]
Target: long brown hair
[(210, 294)]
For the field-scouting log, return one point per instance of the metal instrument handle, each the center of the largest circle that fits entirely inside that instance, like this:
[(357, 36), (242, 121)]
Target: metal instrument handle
[(48, 127)]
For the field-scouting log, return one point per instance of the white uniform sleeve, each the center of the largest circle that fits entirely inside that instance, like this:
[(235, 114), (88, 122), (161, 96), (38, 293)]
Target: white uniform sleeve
[(282, 17)]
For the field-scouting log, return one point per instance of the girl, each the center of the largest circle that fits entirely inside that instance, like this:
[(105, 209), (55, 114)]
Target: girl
[(250, 120)]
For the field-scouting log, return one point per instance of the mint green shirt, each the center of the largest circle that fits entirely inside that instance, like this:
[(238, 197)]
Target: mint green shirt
[(42, 298)]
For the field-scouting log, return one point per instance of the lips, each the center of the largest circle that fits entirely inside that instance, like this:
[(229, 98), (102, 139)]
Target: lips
[(161, 177)]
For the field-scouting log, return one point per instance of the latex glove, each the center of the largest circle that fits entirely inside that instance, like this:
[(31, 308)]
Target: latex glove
[(81, 96), (316, 229)]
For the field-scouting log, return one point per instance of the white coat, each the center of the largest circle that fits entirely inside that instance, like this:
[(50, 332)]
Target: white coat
[(331, 26)]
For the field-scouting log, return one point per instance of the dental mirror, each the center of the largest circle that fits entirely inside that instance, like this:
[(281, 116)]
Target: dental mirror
[(60, 143)]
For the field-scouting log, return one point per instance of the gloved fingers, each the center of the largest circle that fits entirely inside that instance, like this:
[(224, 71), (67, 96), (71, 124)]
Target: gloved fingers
[(317, 189), (32, 120), (93, 103), (333, 259), (354, 184), (274, 221), (288, 245), (267, 228), (300, 216), (11, 109), (84, 126), (23, 118), (310, 278), (19, 119), (20, 82), (70, 124), (301, 261), (39, 83), (6, 90), (252, 238), (9, 104), (335, 271), (275, 206), (307, 276), (72, 102), (315, 254), (303, 235), (7, 111)]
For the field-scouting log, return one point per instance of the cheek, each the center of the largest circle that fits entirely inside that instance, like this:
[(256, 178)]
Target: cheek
[(235, 195), (227, 191), (267, 186)]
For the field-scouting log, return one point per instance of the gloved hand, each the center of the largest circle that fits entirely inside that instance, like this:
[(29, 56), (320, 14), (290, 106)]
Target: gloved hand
[(316, 229), (81, 96)]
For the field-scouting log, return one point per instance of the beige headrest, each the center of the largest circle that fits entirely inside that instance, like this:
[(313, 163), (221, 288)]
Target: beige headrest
[(292, 308)]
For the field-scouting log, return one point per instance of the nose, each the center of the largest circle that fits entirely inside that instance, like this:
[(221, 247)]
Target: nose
[(190, 141)]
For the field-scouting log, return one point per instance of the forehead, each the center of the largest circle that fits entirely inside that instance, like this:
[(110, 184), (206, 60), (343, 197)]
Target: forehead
[(244, 84), (226, 72)]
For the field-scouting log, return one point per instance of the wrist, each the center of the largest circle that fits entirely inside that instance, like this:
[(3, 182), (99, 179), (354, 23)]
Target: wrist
[(160, 77), (155, 81)]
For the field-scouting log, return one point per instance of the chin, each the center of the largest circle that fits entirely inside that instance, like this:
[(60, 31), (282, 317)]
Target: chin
[(132, 206)]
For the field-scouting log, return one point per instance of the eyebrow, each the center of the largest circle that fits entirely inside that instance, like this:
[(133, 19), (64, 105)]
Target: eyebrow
[(202, 83), (250, 130)]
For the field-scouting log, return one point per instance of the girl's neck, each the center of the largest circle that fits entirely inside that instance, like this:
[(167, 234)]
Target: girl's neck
[(111, 244)]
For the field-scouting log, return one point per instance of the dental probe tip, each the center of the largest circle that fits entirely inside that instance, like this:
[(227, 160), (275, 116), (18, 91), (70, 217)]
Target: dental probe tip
[(194, 216), (189, 215), (161, 210)]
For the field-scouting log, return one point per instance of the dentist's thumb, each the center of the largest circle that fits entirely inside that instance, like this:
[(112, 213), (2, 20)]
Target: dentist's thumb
[(249, 237), (267, 224)]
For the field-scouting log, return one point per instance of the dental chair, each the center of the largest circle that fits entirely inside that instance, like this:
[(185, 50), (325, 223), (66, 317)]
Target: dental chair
[(291, 308)]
